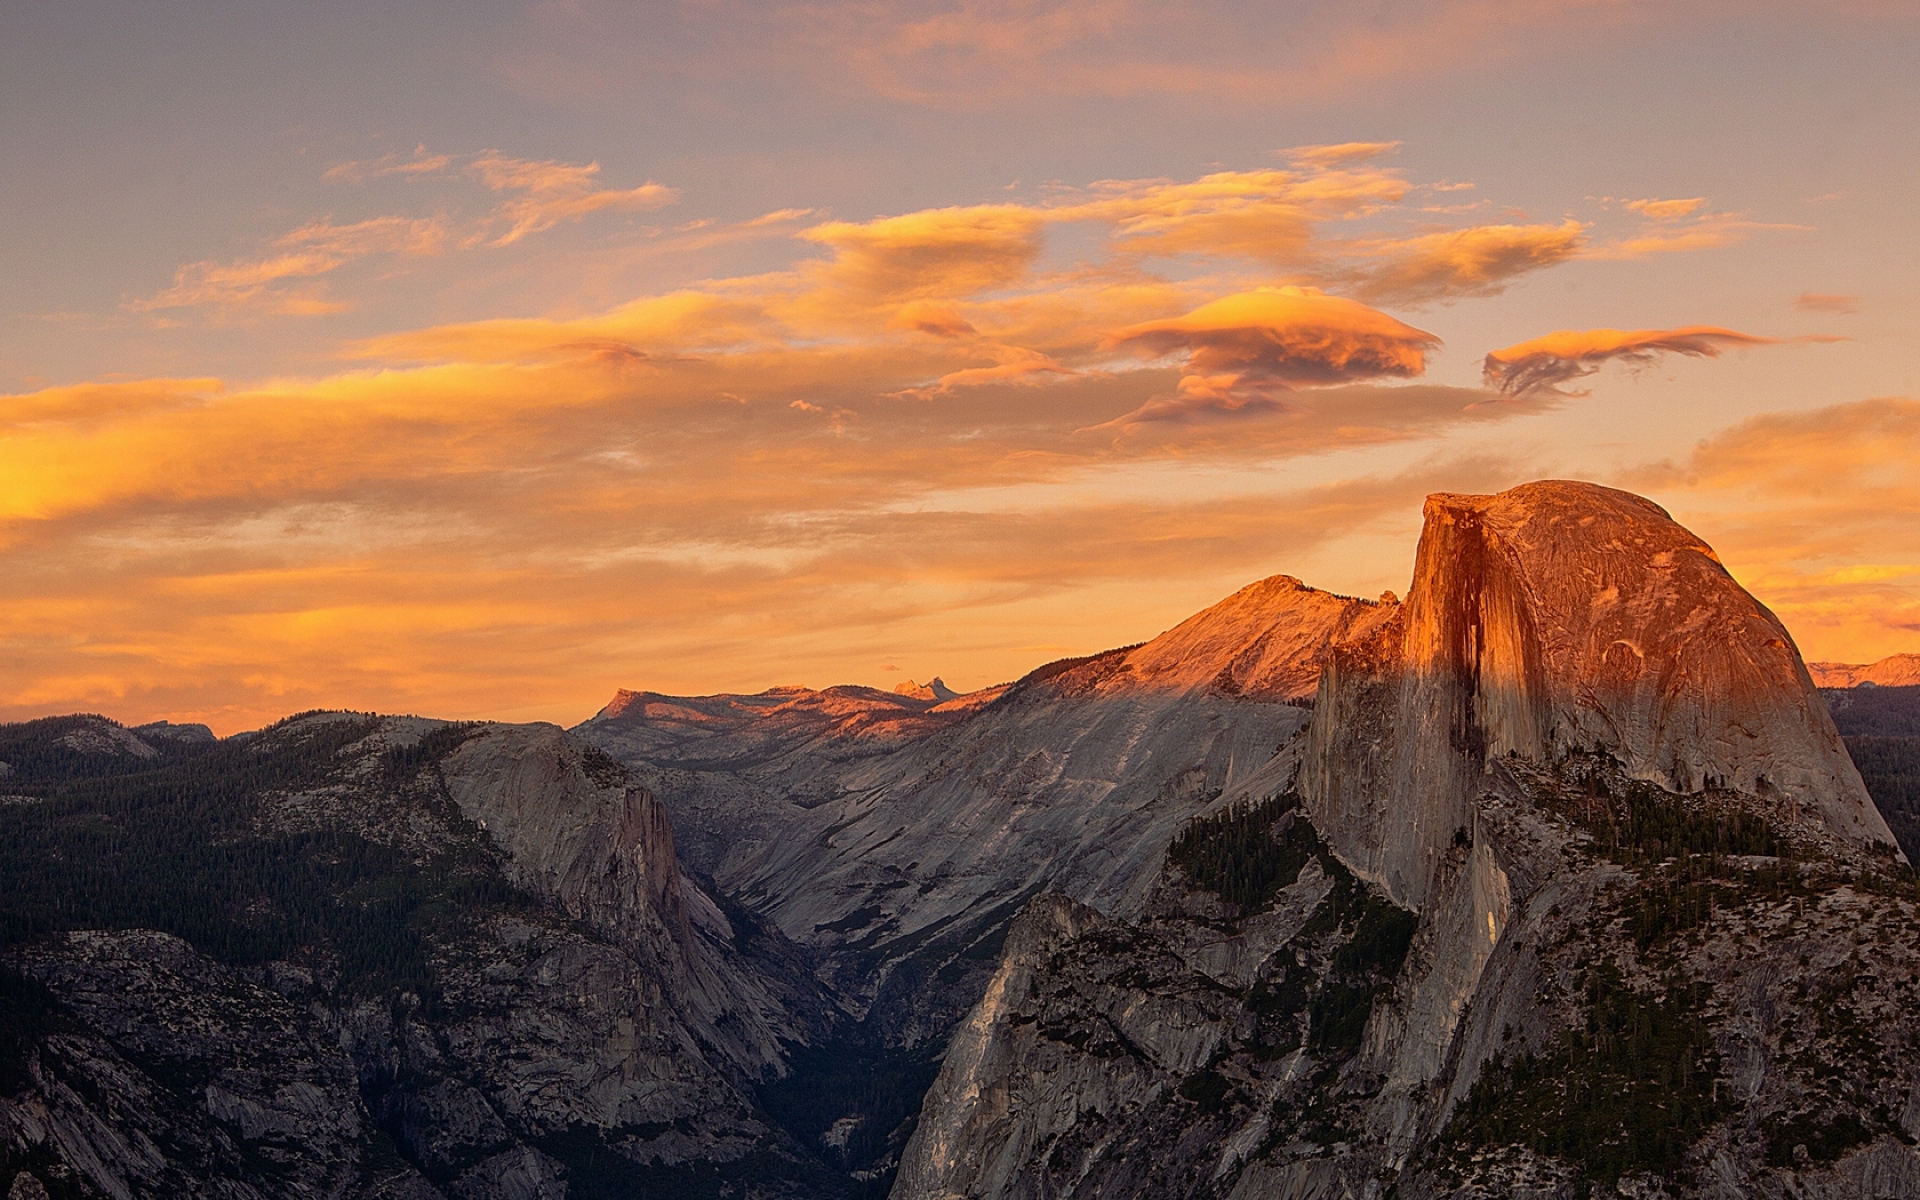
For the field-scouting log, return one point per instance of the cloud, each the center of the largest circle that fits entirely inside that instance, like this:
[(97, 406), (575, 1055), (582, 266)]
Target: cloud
[(1477, 261), (930, 317), (944, 253), (419, 163), (1245, 351), (1813, 511), (541, 194), (313, 250), (1339, 154), (1667, 210), (1266, 216), (1827, 302), (1680, 233), (1542, 364), (975, 54), (553, 191)]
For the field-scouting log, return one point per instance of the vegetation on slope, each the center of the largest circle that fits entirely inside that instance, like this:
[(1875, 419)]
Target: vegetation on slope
[(182, 846), (1890, 766), (1246, 854), (1629, 1092)]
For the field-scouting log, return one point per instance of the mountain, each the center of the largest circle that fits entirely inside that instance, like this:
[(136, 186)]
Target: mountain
[(1896, 670), (896, 840), (1556, 880), (935, 690), (362, 956), (1573, 888)]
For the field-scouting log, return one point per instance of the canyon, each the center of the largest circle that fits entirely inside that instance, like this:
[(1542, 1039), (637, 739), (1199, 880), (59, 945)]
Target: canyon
[(1564, 876)]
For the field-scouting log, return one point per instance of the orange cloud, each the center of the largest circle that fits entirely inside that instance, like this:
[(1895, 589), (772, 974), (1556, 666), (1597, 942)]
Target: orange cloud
[(943, 253), (1827, 302), (552, 192), (1667, 210), (1477, 261), (1814, 512), (1339, 154), (1542, 364), (926, 316), (543, 194), (311, 251), (420, 163), (995, 53), (1266, 216), (1245, 351)]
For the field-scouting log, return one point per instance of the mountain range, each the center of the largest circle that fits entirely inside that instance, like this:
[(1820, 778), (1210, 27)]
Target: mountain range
[(1562, 877)]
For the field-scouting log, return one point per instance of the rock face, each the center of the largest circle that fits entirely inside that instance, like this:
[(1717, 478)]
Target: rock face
[(1563, 885), (896, 839), (1553, 618), (1895, 670), (1654, 920), (935, 690), (426, 960), (874, 826)]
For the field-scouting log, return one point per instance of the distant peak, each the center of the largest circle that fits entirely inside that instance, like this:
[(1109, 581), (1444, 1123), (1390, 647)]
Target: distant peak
[(935, 690), (1895, 670)]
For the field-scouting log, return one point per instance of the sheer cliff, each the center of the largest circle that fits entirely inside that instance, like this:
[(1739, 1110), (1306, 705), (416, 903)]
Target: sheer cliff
[(1574, 887)]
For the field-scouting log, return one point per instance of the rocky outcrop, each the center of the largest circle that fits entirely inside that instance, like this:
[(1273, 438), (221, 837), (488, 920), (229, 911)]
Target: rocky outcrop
[(1895, 670), (1072, 780), (1555, 618), (935, 690), (162, 1071), (428, 959), (1655, 912), (896, 838), (1267, 642)]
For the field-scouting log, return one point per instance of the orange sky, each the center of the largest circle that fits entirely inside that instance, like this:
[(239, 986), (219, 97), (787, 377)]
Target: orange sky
[(465, 402)]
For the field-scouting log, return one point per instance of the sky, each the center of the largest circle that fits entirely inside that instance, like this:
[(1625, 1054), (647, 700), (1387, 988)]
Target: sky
[(478, 360)]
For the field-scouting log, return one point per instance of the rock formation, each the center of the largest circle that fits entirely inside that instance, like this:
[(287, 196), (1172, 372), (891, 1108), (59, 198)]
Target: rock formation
[(858, 820), (1555, 880), (1553, 618), (1650, 903), (1895, 670), (471, 967), (935, 690), (896, 840)]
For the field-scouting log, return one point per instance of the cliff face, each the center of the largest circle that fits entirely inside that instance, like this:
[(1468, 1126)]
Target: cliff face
[(1553, 618), (1070, 780), (896, 840), (1610, 909), (393, 957)]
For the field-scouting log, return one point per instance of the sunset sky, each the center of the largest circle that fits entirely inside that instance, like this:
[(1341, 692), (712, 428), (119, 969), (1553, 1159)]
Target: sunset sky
[(479, 359)]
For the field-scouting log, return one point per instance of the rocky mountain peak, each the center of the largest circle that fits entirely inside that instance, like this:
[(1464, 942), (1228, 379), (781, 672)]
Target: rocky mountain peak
[(1895, 670), (1561, 617), (1267, 641), (934, 689)]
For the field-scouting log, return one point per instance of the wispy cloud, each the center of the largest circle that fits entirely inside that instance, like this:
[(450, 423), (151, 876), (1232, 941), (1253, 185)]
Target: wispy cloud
[(289, 280), (1827, 302), (546, 192), (1541, 365), (285, 282)]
